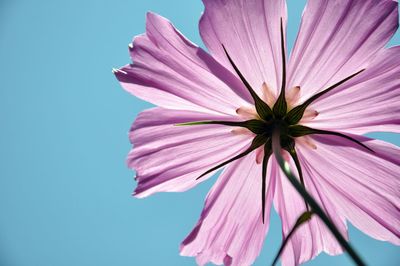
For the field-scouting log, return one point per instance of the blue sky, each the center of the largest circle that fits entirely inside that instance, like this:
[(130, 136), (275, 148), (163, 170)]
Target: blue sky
[(65, 191)]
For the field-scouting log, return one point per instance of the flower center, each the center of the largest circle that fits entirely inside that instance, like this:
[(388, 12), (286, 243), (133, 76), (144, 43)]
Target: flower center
[(265, 128), (267, 121)]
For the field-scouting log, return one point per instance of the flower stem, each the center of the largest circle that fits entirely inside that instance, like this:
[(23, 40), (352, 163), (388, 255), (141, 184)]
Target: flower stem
[(305, 217), (284, 165)]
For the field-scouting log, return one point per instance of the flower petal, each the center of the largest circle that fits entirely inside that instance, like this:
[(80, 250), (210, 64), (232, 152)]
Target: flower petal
[(172, 72), (170, 158), (363, 186), (338, 38), (368, 103), (250, 32), (230, 229), (312, 237)]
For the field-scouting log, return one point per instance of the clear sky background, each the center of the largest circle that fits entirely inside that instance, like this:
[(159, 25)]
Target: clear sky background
[(65, 191)]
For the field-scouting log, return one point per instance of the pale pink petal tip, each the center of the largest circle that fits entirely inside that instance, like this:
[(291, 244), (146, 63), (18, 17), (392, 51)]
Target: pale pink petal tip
[(170, 71)]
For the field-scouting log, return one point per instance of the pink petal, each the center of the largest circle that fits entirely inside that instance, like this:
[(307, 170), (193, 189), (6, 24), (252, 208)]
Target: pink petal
[(368, 103), (172, 72), (364, 187), (313, 237), (337, 39), (250, 31), (170, 158), (230, 229)]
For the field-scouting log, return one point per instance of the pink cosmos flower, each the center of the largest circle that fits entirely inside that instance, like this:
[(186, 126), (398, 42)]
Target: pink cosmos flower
[(221, 109)]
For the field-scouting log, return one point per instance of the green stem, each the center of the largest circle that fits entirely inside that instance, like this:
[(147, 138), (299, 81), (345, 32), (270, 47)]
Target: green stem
[(284, 165), (305, 217)]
